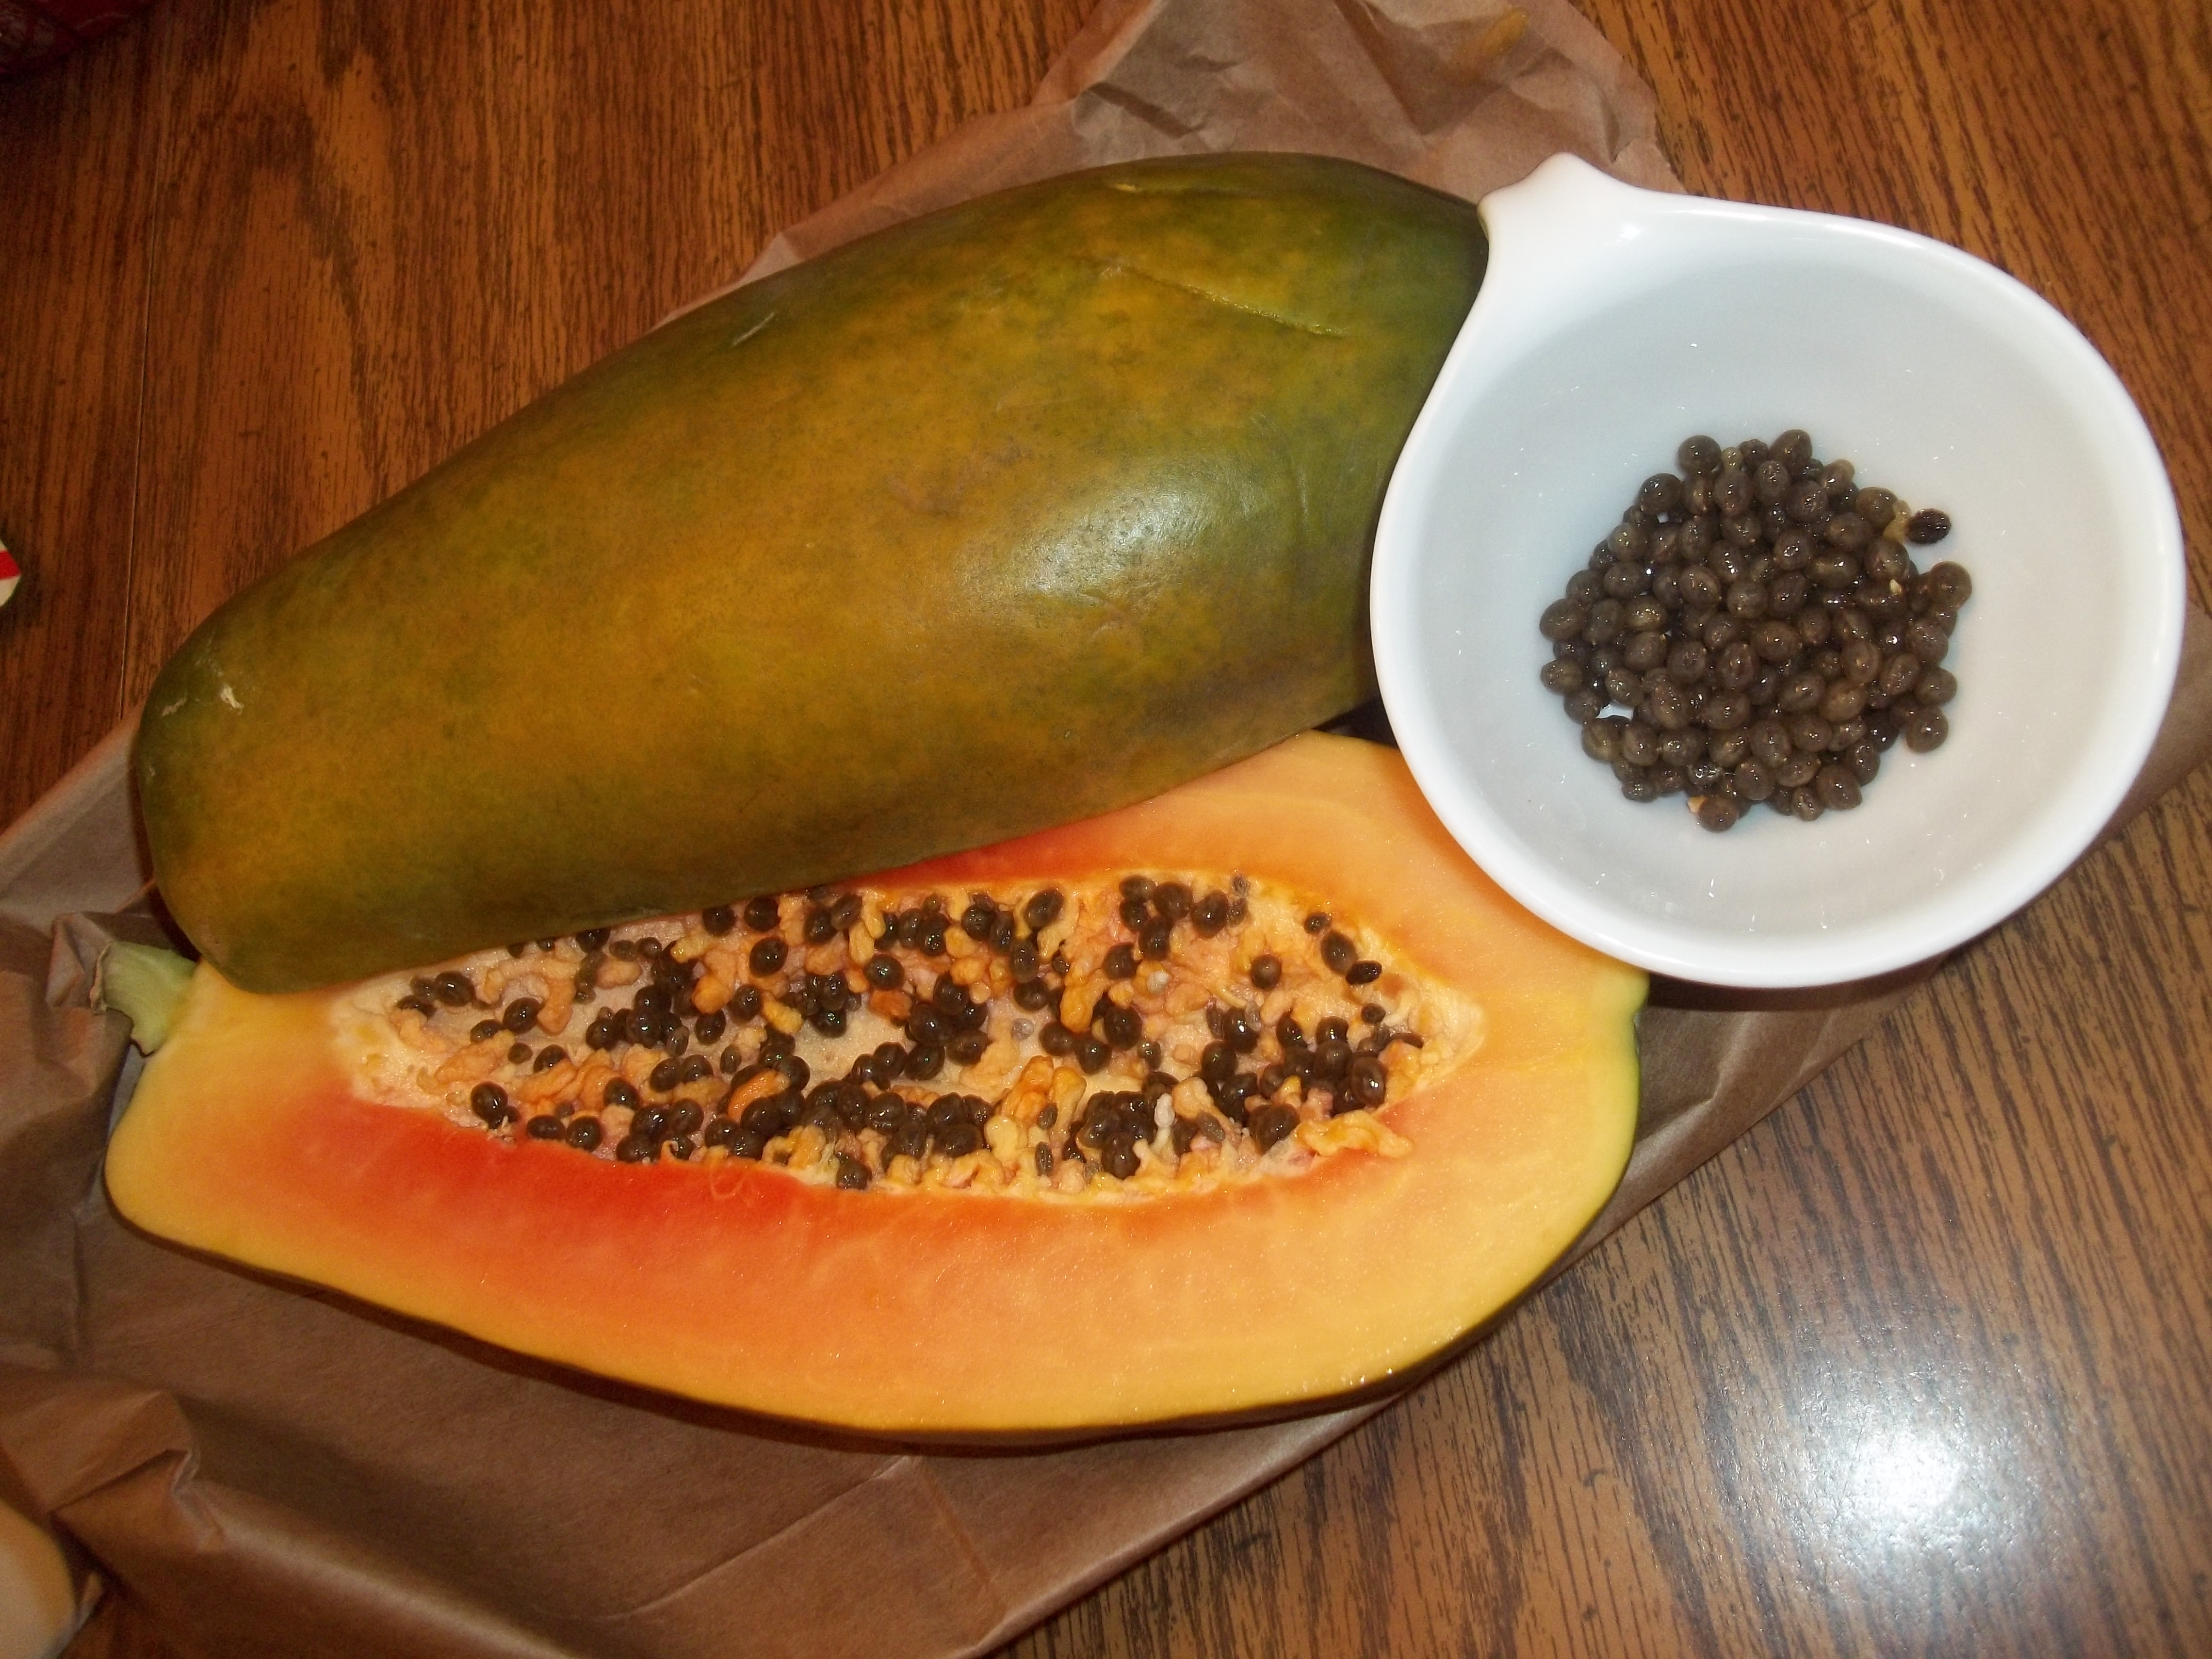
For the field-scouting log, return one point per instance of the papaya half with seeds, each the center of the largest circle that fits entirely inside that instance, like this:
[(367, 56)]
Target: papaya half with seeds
[(1002, 517), (999, 1282)]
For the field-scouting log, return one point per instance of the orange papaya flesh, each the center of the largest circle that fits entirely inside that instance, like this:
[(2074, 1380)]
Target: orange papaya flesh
[(1008, 515), (1228, 1280)]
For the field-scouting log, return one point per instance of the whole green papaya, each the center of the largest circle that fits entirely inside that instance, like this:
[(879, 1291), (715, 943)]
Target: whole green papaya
[(1001, 517)]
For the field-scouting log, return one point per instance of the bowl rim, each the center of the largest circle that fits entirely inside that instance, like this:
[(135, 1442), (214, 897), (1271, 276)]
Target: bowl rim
[(1551, 235)]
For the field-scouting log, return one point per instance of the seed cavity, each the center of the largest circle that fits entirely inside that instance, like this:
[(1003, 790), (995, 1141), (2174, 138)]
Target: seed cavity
[(1124, 1037)]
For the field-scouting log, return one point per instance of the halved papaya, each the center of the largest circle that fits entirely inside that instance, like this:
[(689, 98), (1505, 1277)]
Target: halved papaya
[(1373, 1098)]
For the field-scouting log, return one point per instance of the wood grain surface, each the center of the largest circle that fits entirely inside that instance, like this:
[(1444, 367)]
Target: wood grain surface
[(1923, 1364)]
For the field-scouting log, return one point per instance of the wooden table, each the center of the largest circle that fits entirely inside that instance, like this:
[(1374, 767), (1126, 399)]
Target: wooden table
[(1923, 1364)]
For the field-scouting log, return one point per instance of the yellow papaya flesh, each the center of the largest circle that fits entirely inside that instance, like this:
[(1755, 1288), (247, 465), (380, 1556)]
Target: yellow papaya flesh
[(990, 1292), (1001, 517)]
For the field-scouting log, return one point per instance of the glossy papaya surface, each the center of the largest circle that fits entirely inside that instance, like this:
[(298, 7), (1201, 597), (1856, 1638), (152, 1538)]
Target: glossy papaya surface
[(928, 1309), (1005, 516)]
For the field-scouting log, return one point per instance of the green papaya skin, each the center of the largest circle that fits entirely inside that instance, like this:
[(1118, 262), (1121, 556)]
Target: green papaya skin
[(998, 518)]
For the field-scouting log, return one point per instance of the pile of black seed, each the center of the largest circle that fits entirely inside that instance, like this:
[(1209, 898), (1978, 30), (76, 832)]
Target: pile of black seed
[(947, 1024), (1760, 620)]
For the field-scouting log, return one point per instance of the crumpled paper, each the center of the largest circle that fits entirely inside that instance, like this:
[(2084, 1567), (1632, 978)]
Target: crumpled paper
[(260, 1468)]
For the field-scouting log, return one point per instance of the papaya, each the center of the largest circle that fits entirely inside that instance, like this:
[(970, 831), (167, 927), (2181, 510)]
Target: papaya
[(1233, 1101), (1016, 513)]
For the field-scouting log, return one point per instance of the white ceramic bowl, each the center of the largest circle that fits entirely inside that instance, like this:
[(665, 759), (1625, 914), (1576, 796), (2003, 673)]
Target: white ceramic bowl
[(1614, 322)]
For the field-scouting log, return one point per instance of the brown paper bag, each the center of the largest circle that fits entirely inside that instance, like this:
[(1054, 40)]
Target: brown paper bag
[(264, 1468)]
